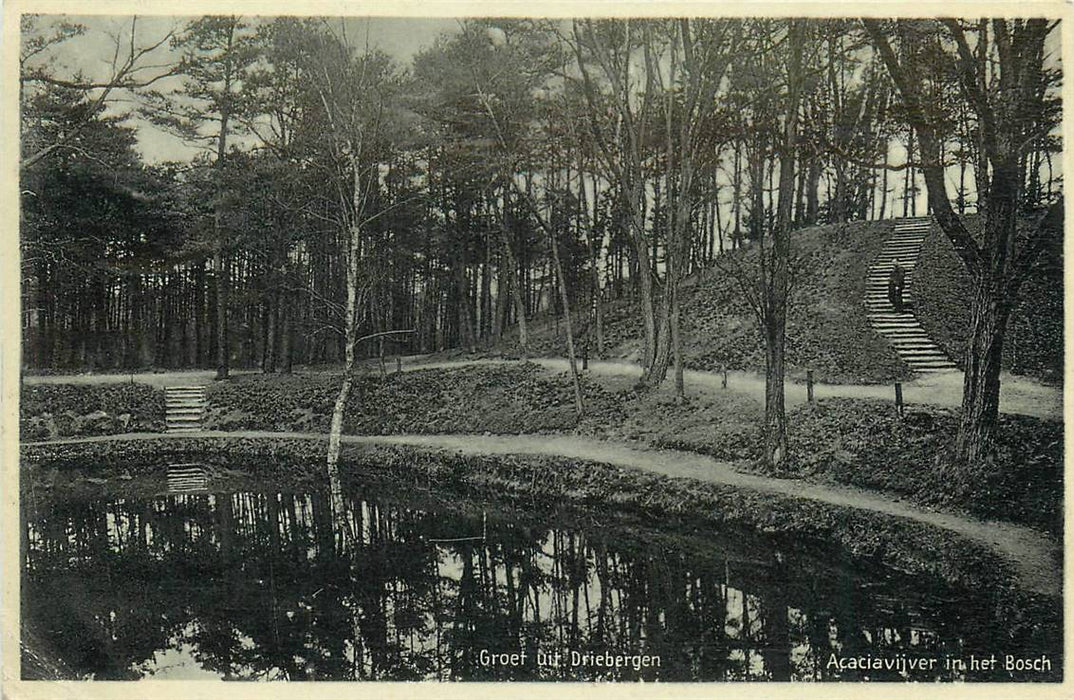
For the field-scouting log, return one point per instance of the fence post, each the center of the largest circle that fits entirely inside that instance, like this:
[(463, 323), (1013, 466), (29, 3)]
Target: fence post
[(725, 379), (898, 398), (809, 386)]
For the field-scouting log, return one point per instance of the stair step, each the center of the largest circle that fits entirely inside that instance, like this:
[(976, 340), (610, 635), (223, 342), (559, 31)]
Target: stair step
[(921, 354), (184, 408), (891, 317), (913, 343), (907, 335), (896, 325), (884, 326), (901, 328)]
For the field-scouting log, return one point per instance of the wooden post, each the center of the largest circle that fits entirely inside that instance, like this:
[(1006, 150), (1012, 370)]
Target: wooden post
[(898, 398), (725, 379), (398, 364), (809, 386)]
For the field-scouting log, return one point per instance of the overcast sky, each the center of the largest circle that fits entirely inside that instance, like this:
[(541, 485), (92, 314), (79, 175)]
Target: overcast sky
[(92, 55)]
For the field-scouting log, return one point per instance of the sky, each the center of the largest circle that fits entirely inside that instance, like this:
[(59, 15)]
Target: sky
[(92, 54), (399, 37)]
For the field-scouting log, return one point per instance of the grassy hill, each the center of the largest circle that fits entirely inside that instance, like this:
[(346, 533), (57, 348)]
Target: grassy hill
[(827, 329)]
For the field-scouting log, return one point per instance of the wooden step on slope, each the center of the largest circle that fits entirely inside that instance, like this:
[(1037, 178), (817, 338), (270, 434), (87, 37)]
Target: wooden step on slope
[(902, 330), (184, 408), (187, 478)]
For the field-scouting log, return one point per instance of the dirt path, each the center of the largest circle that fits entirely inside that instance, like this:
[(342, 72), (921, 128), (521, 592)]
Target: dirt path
[(1034, 556), (1017, 394)]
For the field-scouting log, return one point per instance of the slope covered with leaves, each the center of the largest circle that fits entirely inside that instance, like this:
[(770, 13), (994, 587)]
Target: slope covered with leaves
[(827, 330), (1034, 341)]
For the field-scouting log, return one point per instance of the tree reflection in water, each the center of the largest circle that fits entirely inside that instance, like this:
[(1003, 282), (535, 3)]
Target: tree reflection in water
[(354, 584)]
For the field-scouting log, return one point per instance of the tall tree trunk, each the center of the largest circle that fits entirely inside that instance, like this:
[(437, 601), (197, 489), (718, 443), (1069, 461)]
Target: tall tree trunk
[(350, 332), (990, 311), (593, 252), (579, 408), (220, 264), (517, 295), (776, 292)]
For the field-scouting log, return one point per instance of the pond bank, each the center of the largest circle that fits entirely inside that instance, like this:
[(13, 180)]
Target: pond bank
[(661, 483)]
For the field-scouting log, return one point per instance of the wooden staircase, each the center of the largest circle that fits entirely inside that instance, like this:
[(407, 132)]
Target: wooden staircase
[(187, 478), (184, 408), (902, 330)]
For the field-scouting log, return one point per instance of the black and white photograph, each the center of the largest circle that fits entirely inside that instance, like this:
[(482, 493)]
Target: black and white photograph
[(631, 345)]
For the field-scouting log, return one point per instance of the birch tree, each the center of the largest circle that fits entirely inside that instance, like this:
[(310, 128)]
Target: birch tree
[(355, 91)]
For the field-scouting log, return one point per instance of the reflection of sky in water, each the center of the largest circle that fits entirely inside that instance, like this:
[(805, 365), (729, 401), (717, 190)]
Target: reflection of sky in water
[(266, 586)]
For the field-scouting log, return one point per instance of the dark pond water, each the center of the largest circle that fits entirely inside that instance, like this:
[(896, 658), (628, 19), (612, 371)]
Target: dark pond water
[(372, 585)]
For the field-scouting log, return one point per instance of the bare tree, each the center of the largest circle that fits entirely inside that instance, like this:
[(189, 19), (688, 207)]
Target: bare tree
[(355, 93), (1007, 96), (130, 69)]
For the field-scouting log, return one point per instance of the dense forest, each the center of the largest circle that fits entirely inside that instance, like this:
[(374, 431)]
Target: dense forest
[(346, 204)]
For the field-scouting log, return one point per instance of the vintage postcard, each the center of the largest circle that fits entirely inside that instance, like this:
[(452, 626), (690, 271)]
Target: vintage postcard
[(663, 349)]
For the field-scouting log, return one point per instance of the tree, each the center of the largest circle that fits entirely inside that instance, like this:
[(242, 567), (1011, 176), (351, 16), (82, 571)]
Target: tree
[(356, 93), (700, 53), (128, 71), (218, 55), (622, 121), (1010, 95)]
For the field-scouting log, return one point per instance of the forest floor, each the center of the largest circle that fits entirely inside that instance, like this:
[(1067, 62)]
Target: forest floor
[(828, 331), (1035, 558)]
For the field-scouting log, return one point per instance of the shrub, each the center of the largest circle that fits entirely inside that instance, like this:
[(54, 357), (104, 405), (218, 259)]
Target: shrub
[(864, 443), (490, 398), (59, 410)]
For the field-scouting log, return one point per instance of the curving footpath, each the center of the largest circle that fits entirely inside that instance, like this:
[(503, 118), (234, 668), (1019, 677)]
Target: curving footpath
[(1034, 557), (1017, 395)]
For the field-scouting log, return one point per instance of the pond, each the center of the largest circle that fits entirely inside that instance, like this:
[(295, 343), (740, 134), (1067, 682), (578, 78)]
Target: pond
[(375, 584)]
